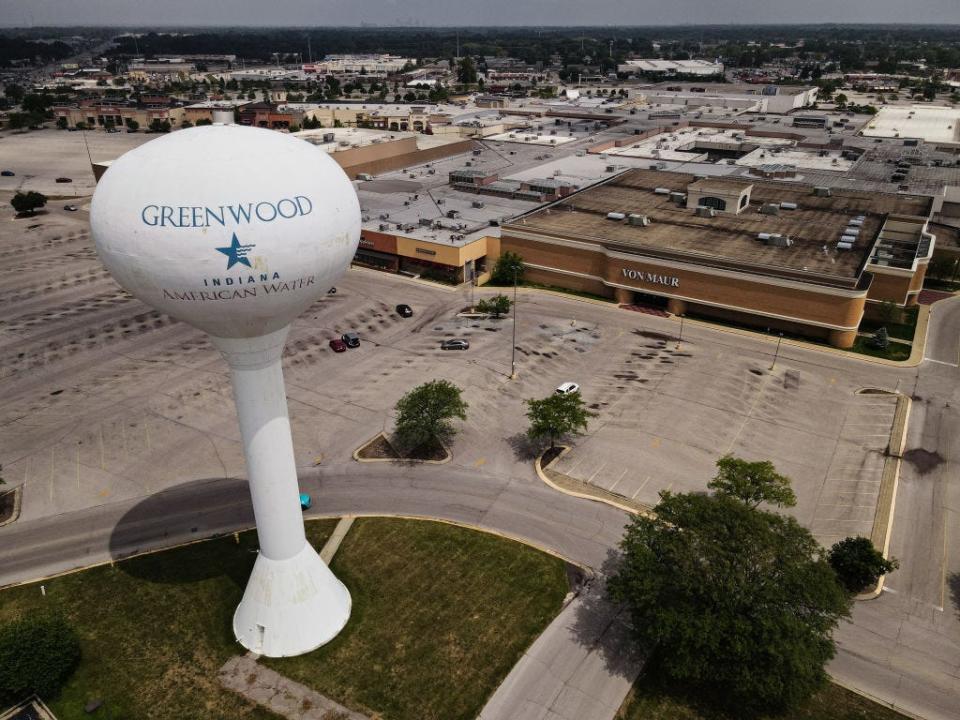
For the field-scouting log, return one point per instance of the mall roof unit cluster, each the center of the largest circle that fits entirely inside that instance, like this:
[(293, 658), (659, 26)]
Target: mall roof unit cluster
[(754, 252)]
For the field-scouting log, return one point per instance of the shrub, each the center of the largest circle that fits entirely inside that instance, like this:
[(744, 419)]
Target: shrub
[(38, 654)]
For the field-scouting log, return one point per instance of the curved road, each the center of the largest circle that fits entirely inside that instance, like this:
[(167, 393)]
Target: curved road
[(895, 648)]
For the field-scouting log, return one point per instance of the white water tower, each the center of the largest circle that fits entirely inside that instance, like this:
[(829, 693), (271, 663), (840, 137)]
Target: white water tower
[(236, 231)]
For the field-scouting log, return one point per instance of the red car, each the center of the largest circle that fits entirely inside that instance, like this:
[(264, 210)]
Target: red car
[(338, 345)]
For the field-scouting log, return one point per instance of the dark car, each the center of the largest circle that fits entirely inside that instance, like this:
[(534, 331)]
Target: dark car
[(7, 173), (351, 339), (454, 345), (70, 208), (64, 180), (338, 345), (404, 311)]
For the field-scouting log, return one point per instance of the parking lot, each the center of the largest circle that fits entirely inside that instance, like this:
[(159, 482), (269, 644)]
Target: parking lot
[(105, 399)]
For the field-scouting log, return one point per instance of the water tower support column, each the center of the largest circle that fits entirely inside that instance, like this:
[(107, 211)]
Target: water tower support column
[(293, 603)]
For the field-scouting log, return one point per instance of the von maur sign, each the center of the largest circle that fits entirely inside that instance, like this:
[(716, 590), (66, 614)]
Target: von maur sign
[(237, 231)]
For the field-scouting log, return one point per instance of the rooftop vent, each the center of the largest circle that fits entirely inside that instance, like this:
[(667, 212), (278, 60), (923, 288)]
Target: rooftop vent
[(616, 216), (770, 209), (661, 191), (788, 206), (637, 219), (777, 240), (821, 191)]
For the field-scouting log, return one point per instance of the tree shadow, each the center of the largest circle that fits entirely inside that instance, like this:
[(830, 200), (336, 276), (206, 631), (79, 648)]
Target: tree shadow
[(179, 515), (523, 448), (954, 582), (603, 626)]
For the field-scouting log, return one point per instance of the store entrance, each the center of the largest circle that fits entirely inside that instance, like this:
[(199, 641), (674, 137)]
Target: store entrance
[(648, 300)]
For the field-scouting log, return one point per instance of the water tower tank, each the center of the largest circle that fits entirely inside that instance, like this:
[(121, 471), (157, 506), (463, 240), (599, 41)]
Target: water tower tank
[(236, 231)]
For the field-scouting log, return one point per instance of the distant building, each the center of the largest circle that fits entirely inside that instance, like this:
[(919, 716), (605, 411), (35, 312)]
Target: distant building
[(670, 67)]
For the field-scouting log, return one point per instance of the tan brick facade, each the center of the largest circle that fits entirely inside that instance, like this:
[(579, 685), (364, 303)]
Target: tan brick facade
[(828, 313)]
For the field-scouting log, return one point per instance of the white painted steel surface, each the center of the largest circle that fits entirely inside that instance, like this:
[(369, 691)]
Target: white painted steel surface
[(237, 231)]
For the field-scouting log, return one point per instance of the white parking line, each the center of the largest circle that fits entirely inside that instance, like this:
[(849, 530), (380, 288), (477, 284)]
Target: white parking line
[(941, 362), (619, 479)]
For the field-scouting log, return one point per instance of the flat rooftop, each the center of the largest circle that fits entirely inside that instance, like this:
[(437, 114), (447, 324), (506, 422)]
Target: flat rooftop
[(728, 240), (933, 124)]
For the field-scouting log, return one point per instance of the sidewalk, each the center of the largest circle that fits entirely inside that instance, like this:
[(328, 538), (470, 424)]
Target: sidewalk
[(580, 668)]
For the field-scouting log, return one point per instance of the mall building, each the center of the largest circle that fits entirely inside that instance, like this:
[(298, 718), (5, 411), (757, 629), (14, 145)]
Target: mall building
[(783, 256)]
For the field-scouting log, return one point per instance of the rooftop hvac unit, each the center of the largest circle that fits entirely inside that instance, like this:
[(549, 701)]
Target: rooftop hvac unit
[(364, 176), (822, 192), (848, 238), (770, 209), (611, 168), (855, 231), (855, 222), (777, 240), (616, 216), (384, 227), (637, 219), (704, 211), (409, 227), (453, 213), (661, 191), (329, 137), (764, 236), (477, 203), (426, 222), (439, 201), (406, 202), (678, 197), (788, 206), (384, 216), (432, 171), (468, 164)]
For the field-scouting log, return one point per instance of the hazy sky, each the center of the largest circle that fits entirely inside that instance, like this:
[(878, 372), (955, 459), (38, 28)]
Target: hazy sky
[(470, 13)]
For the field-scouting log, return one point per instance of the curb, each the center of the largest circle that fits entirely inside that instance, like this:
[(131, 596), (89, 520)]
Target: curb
[(878, 701), (418, 281), (598, 497), (17, 500), (889, 482), (589, 571), (336, 538), (356, 455)]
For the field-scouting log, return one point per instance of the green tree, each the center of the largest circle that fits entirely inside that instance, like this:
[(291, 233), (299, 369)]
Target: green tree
[(497, 305), (28, 203), (880, 339), (424, 414), (841, 100), (507, 265), (38, 654), (557, 415), (889, 312), (62, 123), (466, 71), (132, 124), (204, 121), (858, 564), (730, 602), (14, 92), (752, 482)]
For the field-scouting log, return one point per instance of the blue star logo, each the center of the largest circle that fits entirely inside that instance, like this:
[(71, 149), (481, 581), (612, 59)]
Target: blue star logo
[(236, 253)]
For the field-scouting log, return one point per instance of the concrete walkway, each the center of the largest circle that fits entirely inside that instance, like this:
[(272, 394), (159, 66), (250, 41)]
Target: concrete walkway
[(580, 668), (280, 695)]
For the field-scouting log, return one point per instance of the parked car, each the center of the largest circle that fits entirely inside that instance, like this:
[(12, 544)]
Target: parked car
[(351, 339), (64, 180), (305, 501), (7, 173), (455, 345), (70, 208), (338, 345), (567, 388), (404, 311)]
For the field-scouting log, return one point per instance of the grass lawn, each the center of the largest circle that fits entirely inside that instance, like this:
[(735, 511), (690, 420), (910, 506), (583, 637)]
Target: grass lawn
[(833, 703), (894, 351), (154, 630), (902, 330), (440, 615)]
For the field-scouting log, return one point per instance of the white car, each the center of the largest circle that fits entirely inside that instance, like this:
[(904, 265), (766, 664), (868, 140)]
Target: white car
[(567, 388)]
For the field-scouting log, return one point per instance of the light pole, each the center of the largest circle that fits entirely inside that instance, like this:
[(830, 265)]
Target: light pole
[(776, 353), (680, 338), (513, 347)]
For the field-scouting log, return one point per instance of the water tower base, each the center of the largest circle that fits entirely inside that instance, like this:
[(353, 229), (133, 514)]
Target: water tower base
[(292, 606)]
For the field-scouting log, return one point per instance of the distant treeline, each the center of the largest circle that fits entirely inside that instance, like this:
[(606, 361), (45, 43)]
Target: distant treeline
[(852, 47), (13, 49)]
